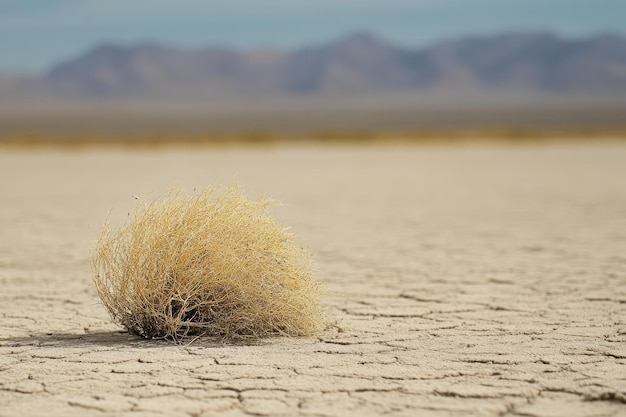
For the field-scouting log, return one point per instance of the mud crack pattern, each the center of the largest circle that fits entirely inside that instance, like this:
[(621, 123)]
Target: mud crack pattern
[(462, 281)]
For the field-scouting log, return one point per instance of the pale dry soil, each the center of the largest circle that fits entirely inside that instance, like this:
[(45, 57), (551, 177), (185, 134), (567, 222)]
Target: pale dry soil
[(462, 281)]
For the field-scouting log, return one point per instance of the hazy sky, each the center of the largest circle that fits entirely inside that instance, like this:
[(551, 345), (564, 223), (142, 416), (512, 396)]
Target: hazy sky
[(34, 34)]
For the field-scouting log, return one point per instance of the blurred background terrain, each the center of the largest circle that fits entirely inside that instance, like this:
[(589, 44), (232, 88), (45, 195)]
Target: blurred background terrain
[(206, 68)]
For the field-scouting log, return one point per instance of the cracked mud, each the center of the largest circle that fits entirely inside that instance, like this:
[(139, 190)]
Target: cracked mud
[(462, 281)]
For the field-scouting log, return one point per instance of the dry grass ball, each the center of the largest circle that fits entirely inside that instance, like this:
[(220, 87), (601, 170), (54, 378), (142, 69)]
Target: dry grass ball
[(209, 264)]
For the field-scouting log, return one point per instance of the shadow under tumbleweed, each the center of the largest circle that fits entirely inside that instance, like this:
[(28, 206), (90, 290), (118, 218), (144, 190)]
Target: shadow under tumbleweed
[(112, 338), (68, 340)]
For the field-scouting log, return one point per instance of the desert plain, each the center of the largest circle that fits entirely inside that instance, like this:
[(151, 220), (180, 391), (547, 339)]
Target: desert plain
[(461, 280)]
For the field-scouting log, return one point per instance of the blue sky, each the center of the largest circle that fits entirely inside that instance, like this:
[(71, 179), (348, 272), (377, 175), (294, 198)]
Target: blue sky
[(35, 34)]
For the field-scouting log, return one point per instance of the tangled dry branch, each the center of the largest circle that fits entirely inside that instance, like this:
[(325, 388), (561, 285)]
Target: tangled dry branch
[(211, 264)]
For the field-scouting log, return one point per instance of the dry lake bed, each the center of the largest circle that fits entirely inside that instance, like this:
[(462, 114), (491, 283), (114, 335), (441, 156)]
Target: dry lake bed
[(482, 280)]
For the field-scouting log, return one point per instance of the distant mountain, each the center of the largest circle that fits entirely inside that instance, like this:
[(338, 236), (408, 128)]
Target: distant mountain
[(357, 64)]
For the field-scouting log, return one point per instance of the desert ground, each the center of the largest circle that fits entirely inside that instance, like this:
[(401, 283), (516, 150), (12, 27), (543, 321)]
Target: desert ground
[(461, 280), (368, 115)]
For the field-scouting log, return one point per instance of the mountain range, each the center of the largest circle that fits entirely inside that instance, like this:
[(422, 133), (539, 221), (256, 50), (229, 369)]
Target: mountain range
[(350, 66)]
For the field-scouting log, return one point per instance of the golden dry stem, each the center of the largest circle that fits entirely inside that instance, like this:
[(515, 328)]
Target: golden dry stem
[(210, 264)]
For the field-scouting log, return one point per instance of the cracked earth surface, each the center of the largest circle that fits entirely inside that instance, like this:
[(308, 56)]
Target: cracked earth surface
[(462, 281)]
